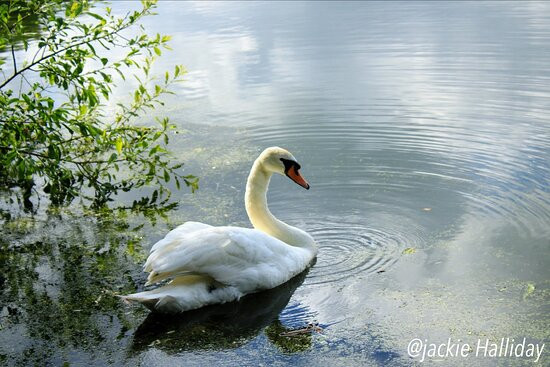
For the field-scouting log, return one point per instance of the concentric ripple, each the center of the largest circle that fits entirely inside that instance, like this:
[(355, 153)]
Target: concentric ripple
[(356, 245), (346, 251), (410, 159)]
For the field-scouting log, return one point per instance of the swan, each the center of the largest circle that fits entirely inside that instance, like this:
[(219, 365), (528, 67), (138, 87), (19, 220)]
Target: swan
[(212, 265)]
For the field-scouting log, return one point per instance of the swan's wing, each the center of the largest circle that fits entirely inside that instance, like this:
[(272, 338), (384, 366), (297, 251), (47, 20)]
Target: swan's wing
[(242, 257), (177, 233)]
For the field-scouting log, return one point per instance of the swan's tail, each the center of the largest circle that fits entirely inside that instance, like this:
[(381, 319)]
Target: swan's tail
[(185, 293)]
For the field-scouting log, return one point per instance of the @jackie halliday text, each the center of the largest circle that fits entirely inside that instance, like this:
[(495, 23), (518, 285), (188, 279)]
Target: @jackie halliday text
[(423, 349)]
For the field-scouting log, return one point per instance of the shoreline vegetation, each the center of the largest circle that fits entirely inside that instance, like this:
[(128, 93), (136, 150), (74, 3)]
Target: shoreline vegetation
[(67, 148), (61, 134)]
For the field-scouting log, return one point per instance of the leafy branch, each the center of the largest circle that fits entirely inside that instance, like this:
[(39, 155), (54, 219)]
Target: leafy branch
[(69, 145)]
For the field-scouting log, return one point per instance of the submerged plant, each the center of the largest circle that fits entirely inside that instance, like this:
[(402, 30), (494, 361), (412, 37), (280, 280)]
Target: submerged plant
[(56, 131), (290, 340)]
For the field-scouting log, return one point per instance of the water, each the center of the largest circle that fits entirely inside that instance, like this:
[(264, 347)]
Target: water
[(423, 131)]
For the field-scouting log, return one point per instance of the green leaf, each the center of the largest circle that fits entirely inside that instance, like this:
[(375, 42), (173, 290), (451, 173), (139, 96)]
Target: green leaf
[(21, 169), (118, 145), (75, 9), (96, 16), (94, 131), (83, 129), (53, 152)]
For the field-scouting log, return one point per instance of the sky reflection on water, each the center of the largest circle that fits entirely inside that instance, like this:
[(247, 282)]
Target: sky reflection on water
[(420, 125)]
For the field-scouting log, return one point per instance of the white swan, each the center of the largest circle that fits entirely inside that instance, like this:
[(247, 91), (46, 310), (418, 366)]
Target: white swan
[(212, 265)]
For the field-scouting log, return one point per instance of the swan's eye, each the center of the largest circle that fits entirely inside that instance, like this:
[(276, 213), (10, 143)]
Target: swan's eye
[(289, 163)]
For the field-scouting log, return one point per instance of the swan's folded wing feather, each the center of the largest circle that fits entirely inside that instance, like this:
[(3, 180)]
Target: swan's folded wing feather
[(242, 257), (177, 233)]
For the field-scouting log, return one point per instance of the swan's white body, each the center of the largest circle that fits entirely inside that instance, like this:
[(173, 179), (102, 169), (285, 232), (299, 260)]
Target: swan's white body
[(212, 265)]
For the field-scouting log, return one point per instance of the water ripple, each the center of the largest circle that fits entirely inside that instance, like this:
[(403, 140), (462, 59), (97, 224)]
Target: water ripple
[(354, 246), (492, 170)]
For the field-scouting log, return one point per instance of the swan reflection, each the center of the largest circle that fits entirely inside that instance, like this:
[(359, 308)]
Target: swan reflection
[(224, 326)]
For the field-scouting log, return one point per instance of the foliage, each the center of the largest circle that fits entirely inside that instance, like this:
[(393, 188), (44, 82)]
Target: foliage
[(56, 128)]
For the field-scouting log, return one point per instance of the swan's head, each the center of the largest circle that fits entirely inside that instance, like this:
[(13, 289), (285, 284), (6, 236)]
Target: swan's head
[(279, 160)]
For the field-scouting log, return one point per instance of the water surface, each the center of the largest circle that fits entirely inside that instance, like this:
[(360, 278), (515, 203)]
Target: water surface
[(423, 129)]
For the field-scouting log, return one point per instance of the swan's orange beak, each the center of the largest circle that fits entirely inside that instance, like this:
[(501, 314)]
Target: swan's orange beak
[(295, 176)]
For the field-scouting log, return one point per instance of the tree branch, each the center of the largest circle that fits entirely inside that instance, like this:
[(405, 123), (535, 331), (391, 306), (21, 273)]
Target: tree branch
[(79, 163), (43, 58), (14, 60)]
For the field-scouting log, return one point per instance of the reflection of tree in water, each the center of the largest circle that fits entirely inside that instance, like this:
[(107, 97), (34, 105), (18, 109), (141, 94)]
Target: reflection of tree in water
[(31, 31), (57, 277), (223, 326)]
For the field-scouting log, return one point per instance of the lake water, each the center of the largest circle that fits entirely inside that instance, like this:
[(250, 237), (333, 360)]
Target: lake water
[(424, 131)]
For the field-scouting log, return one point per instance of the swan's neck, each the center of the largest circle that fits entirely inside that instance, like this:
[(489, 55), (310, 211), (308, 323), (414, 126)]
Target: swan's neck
[(260, 216)]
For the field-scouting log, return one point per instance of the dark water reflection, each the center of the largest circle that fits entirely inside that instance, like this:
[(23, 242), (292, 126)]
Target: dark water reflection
[(222, 326), (423, 128)]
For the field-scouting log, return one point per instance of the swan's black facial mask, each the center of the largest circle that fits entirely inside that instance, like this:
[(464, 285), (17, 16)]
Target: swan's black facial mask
[(291, 171)]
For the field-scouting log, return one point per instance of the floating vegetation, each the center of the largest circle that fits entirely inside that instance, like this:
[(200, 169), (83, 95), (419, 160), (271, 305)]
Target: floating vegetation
[(529, 290), (296, 342), (409, 251)]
